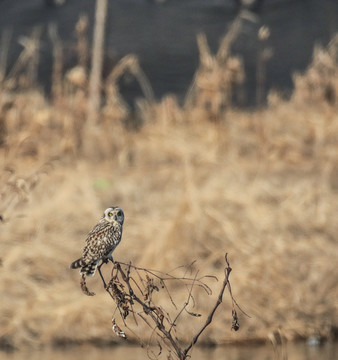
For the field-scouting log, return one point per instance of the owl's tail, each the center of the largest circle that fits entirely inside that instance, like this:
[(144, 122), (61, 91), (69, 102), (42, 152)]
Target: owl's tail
[(89, 269), (86, 269), (79, 263)]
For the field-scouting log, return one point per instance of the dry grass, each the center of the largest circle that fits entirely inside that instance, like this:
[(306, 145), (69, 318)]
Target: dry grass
[(261, 186)]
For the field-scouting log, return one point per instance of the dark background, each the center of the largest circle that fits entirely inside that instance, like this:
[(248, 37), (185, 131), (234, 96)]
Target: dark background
[(163, 36)]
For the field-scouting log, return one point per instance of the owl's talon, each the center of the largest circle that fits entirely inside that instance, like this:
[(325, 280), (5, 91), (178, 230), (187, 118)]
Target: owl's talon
[(105, 260)]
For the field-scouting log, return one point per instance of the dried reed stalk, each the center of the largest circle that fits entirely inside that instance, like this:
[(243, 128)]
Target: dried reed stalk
[(57, 62), (97, 60), (6, 37)]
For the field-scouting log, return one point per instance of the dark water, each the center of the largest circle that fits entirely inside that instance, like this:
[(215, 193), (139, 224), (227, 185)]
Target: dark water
[(300, 351), (163, 36)]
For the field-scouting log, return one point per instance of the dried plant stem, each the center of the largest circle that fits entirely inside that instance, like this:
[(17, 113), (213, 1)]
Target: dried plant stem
[(263, 56), (57, 62), (227, 271), (6, 37), (82, 41), (151, 311), (139, 302), (97, 60)]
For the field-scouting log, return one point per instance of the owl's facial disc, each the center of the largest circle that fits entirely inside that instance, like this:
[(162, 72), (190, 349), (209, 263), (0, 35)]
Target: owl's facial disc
[(114, 214)]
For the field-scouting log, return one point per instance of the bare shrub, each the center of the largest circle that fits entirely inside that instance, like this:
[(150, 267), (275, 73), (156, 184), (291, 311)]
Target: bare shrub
[(319, 84), (216, 78), (135, 291)]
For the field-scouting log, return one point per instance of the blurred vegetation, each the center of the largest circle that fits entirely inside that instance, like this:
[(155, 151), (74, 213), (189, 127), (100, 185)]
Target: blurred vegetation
[(195, 180)]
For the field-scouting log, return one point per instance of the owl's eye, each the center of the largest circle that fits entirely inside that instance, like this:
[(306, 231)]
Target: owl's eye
[(110, 214), (119, 213)]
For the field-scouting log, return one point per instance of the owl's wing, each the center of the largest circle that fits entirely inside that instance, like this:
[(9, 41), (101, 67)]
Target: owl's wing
[(96, 231), (94, 248)]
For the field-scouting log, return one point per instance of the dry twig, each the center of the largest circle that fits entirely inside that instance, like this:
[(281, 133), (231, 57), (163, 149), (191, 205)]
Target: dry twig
[(132, 289)]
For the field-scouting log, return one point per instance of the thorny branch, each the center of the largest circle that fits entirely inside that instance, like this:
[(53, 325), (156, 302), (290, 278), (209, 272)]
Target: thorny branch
[(132, 289)]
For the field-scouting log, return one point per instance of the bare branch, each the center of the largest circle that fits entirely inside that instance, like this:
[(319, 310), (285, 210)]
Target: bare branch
[(136, 297), (211, 315)]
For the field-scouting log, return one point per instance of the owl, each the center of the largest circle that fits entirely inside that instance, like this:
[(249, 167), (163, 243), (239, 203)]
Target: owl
[(101, 241)]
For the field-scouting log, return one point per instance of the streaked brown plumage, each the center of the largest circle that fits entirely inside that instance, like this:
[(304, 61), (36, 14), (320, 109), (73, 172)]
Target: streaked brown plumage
[(101, 241)]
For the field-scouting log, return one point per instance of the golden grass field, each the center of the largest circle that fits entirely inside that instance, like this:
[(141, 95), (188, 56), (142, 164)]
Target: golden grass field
[(194, 183)]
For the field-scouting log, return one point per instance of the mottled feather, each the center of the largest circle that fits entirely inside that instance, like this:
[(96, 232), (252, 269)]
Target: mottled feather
[(101, 241)]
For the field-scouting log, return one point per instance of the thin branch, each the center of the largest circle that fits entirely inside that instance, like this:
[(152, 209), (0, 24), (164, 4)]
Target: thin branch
[(211, 315), (166, 276), (184, 306)]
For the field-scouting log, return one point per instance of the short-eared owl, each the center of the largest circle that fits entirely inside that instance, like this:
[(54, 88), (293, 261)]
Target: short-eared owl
[(101, 241)]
